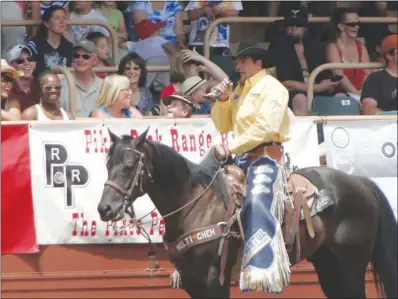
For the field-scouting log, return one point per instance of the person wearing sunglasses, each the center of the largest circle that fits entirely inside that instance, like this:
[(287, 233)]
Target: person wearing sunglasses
[(379, 91), (24, 88), (10, 109), (49, 107), (344, 47), (296, 56), (87, 84)]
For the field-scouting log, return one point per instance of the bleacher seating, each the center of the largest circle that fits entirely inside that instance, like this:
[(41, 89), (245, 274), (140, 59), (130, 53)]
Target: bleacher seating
[(322, 105)]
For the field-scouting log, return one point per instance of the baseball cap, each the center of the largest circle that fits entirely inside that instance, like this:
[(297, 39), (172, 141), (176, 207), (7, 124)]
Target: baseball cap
[(87, 45), (296, 17), (15, 52), (191, 84), (390, 42), (146, 27)]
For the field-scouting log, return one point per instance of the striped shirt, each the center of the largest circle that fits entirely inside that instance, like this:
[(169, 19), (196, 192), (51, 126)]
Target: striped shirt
[(44, 5)]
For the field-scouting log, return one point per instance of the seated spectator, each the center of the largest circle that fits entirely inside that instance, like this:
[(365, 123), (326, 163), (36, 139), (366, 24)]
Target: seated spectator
[(133, 67), (87, 84), (179, 105), (150, 43), (10, 109), (102, 46), (83, 10), (49, 107), (195, 87), (345, 48), (24, 89), (295, 57), (114, 100), (10, 35), (201, 14), (186, 64), (38, 8), (379, 91), (115, 19), (50, 48), (150, 47), (161, 11)]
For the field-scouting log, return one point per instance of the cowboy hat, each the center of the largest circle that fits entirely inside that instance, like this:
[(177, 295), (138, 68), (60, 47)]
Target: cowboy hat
[(191, 84), (179, 96), (249, 48), (6, 68)]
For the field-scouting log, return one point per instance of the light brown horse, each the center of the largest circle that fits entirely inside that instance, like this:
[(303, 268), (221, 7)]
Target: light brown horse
[(358, 229)]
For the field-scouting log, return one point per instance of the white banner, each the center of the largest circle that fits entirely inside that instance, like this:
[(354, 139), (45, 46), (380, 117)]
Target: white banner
[(365, 148), (68, 173)]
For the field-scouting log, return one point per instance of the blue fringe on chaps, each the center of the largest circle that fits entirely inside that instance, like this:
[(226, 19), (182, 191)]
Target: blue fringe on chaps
[(265, 262)]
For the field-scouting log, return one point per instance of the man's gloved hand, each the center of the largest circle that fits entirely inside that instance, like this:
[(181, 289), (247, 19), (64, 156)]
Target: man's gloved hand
[(221, 153)]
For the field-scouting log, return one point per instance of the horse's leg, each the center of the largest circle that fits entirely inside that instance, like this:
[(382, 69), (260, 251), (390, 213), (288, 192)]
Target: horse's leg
[(214, 288), (352, 261), (329, 274), (194, 288)]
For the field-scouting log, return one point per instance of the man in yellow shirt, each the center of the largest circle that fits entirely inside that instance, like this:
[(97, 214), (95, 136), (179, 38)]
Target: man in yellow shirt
[(257, 112)]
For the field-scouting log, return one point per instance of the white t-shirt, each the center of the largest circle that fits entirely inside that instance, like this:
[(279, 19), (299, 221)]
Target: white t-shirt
[(220, 37), (80, 31), (149, 47)]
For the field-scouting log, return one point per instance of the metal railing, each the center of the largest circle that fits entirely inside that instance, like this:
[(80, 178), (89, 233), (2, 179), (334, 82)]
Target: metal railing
[(333, 66), (230, 20), (108, 27)]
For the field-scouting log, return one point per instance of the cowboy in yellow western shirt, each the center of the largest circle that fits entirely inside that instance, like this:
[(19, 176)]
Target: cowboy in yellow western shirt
[(257, 112)]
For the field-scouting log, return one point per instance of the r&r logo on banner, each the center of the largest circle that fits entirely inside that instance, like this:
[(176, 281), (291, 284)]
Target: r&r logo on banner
[(61, 174)]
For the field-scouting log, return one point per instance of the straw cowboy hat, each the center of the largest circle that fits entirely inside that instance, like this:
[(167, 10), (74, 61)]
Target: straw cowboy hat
[(6, 68), (249, 48), (180, 96)]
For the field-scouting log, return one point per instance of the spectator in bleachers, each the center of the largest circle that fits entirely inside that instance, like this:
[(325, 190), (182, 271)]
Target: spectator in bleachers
[(11, 36), (133, 67), (195, 87), (39, 7), (149, 47), (50, 48), (114, 100), (49, 107), (102, 47), (10, 109), (24, 89), (87, 84), (295, 57), (379, 91), (179, 105), (201, 14), (161, 11), (115, 18), (83, 10), (345, 48)]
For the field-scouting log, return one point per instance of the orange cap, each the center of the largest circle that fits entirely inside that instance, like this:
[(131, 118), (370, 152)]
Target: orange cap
[(390, 42)]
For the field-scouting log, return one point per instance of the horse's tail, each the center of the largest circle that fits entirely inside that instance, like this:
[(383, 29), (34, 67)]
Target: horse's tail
[(384, 256)]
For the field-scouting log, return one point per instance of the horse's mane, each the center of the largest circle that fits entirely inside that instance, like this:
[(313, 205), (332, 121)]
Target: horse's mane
[(172, 167)]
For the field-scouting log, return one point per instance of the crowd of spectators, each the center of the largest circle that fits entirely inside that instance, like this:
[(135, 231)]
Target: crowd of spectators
[(152, 33)]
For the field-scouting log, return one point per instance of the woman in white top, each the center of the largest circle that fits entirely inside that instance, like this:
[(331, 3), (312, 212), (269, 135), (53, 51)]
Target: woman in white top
[(49, 107)]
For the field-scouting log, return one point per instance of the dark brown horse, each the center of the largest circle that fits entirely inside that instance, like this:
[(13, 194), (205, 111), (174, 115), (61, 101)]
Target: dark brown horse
[(358, 229)]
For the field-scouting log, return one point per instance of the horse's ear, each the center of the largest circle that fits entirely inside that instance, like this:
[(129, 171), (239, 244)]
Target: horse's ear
[(142, 137), (113, 136)]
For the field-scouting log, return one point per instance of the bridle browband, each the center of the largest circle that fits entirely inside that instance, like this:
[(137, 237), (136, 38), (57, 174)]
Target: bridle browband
[(136, 181)]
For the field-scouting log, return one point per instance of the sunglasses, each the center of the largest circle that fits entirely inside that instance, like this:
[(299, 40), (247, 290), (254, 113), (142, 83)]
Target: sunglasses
[(22, 60), (353, 24), (6, 78), (49, 87), (85, 56)]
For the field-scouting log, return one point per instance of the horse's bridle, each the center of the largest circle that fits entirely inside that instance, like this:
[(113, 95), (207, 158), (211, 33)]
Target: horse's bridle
[(136, 180)]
